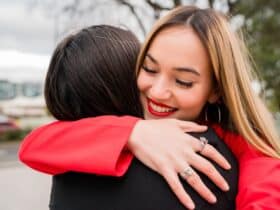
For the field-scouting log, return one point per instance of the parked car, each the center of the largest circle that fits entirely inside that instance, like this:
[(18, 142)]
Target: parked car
[(7, 124)]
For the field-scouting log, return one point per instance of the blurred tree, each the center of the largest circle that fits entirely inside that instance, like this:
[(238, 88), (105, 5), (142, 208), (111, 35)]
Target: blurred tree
[(262, 23), (259, 18)]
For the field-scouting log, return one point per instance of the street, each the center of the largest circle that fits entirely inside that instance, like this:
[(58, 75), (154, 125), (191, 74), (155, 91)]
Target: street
[(20, 187)]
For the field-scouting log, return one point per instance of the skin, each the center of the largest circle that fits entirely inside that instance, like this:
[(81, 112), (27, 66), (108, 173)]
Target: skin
[(175, 81), (176, 75)]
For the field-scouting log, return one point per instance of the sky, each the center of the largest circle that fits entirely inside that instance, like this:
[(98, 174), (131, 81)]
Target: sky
[(26, 40), (27, 37)]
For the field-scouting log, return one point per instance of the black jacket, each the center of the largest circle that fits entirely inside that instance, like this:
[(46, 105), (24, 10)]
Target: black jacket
[(139, 189)]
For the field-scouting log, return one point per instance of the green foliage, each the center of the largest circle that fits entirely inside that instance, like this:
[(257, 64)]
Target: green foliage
[(262, 23), (14, 135)]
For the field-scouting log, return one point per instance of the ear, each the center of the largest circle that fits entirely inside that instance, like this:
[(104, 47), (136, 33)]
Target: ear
[(214, 96)]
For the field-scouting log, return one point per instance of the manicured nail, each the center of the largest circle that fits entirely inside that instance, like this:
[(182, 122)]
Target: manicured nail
[(213, 199), (191, 206), (225, 187), (228, 166)]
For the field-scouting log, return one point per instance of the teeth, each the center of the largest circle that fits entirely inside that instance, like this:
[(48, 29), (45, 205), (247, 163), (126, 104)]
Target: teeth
[(159, 108)]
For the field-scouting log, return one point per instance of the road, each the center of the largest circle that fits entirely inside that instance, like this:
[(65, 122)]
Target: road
[(20, 187)]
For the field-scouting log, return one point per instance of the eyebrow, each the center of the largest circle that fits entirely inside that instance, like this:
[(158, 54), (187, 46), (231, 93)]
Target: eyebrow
[(151, 58), (180, 69), (187, 69)]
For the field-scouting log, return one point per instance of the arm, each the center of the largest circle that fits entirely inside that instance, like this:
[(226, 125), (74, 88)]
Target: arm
[(59, 147), (258, 185), (162, 145)]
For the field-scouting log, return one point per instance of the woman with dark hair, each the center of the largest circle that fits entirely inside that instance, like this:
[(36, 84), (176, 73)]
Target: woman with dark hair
[(91, 73)]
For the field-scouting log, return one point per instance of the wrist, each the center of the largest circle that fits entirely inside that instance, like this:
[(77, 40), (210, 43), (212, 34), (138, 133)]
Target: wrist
[(134, 136)]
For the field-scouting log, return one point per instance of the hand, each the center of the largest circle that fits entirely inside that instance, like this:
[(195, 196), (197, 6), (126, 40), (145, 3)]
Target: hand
[(163, 146)]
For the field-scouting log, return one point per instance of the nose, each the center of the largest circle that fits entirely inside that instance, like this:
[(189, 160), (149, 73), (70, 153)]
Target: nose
[(160, 89)]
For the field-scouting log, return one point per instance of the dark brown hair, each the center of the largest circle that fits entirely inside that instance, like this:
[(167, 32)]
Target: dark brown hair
[(91, 73)]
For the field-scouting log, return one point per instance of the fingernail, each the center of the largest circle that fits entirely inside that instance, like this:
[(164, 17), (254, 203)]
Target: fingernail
[(191, 206), (228, 166), (226, 187), (213, 199)]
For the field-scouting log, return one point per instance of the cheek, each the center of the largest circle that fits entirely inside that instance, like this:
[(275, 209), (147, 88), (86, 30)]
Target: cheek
[(142, 82), (190, 107), (189, 101), (192, 99)]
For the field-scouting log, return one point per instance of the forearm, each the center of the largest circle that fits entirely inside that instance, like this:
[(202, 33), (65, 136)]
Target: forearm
[(91, 145)]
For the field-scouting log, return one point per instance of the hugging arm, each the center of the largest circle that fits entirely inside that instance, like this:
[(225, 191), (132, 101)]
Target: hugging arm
[(80, 146), (83, 146)]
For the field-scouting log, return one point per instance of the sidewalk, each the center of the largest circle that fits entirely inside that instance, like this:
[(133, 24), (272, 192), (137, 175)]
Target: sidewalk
[(8, 153), (21, 188)]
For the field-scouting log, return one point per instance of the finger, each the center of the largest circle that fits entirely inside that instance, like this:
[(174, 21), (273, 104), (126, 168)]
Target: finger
[(213, 154), (176, 186), (210, 152), (196, 183), (188, 126), (206, 167)]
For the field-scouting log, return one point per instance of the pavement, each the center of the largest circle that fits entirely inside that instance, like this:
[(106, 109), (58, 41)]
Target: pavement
[(8, 153), (21, 188)]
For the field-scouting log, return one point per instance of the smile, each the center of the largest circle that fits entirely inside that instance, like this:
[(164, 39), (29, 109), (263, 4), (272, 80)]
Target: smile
[(158, 109)]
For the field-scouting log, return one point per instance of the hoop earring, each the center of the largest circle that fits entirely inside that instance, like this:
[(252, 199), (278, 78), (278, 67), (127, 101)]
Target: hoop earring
[(218, 110)]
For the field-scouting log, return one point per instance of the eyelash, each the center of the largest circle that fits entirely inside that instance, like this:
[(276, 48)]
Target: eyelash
[(179, 82), (148, 70), (184, 84)]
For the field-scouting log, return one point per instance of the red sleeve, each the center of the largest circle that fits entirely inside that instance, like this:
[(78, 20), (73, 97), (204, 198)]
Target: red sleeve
[(259, 175), (91, 145), (259, 183)]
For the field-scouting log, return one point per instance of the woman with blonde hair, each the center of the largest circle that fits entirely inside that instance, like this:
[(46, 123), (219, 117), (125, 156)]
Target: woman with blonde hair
[(192, 67)]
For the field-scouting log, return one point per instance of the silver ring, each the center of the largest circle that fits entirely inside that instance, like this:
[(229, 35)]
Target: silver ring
[(187, 172), (203, 142)]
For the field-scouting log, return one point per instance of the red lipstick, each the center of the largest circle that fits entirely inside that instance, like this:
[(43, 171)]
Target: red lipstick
[(158, 109)]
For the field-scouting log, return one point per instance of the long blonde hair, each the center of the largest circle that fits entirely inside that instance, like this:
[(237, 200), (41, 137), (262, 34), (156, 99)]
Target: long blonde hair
[(233, 73)]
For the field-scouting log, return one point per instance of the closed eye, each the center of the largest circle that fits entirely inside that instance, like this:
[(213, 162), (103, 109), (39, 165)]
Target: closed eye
[(148, 70), (184, 84)]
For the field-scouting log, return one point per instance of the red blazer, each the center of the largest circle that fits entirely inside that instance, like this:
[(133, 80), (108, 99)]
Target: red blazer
[(97, 145)]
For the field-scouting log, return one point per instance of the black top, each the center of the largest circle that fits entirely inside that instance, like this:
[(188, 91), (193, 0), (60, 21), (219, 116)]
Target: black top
[(139, 189)]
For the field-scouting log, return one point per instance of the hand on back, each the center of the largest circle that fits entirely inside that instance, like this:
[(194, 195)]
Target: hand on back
[(163, 146)]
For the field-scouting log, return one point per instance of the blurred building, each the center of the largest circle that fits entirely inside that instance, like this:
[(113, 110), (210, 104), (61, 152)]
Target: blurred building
[(19, 99)]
